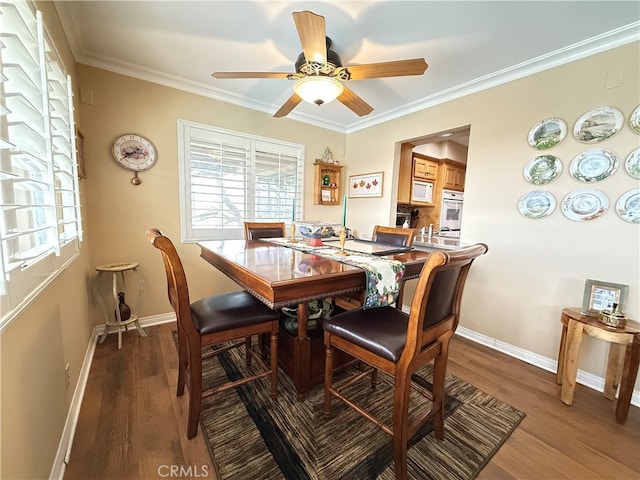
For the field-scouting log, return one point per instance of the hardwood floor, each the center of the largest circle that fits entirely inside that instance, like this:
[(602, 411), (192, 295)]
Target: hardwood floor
[(132, 425)]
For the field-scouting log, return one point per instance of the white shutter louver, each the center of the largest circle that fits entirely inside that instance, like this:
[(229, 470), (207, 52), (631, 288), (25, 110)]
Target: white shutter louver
[(39, 208)]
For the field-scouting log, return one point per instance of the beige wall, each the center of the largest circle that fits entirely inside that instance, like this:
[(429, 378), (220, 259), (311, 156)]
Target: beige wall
[(34, 348), (119, 212), (534, 267), (514, 293)]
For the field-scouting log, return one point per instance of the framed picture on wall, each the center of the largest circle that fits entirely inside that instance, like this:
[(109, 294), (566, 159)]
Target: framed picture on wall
[(366, 185), (600, 296)]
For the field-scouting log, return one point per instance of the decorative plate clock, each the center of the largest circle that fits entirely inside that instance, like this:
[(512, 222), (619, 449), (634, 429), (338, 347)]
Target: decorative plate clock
[(135, 153)]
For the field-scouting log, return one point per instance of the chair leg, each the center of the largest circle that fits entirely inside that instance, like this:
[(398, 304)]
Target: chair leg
[(328, 377), (401, 389), (374, 378), (274, 365), (195, 392), (182, 363), (439, 371)]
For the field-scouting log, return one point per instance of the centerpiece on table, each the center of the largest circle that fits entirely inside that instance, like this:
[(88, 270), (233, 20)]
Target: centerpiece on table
[(316, 231)]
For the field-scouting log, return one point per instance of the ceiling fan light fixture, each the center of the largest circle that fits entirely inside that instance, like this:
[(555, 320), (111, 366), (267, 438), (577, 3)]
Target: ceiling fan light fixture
[(318, 89)]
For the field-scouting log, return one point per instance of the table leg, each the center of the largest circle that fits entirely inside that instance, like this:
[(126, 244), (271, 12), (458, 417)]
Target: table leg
[(302, 354), (629, 374), (561, 354), (614, 370), (572, 355)]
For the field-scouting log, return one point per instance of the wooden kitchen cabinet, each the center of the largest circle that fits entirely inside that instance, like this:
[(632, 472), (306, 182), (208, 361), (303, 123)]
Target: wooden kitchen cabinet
[(425, 167), (404, 174), (453, 175), (326, 183)]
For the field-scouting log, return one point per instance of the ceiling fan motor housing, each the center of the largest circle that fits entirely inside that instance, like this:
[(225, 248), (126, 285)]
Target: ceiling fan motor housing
[(314, 68)]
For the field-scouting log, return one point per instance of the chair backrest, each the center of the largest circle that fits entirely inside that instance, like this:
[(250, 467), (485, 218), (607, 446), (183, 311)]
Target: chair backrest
[(402, 237), (177, 288), (258, 230), (435, 309)]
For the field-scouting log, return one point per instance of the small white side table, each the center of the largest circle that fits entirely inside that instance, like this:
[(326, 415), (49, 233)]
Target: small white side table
[(116, 321)]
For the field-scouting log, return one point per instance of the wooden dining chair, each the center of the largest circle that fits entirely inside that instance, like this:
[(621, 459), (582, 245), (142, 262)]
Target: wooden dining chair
[(399, 344), (258, 230), (223, 322), (402, 237)]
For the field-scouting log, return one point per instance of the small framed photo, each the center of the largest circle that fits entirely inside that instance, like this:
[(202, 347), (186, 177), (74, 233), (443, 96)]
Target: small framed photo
[(600, 296), (367, 185)]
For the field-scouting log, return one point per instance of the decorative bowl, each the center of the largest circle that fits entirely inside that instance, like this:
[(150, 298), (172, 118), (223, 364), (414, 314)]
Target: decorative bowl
[(317, 229), (317, 310)]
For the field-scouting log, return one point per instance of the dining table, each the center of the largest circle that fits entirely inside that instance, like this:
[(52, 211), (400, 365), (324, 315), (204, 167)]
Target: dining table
[(281, 276)]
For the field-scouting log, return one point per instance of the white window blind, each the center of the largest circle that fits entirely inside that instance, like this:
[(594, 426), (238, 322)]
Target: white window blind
[(227, 178), (40, 222)]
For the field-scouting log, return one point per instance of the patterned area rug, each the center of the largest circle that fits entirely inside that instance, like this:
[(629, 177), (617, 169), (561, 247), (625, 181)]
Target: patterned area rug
[(252, 437)]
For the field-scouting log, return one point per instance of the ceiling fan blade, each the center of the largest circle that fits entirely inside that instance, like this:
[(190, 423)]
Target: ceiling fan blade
[(355, 103), (289, 105), (398, 68), (250, 74), (313, 35)]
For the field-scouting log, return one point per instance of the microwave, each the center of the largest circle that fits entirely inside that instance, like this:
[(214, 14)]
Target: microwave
[(421, 191)]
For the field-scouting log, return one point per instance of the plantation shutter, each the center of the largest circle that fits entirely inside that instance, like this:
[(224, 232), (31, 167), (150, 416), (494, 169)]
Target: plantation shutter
[(228, 178), (39, 208)]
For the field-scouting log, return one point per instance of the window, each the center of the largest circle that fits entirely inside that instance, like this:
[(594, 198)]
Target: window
[(227, 178), (39, 198)]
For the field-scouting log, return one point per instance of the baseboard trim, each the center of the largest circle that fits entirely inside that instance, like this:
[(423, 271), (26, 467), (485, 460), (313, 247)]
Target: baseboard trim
[(144, 322), (66, 440), (549, 364)]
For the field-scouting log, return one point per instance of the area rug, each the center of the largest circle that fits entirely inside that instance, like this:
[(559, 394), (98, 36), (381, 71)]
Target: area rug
[(253, 437)]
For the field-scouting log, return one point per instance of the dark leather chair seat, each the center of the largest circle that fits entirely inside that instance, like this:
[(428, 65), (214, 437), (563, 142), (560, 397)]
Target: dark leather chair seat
[(230, 310), (382, 331)]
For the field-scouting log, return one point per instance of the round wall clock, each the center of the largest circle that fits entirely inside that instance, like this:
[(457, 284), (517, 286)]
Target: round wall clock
[(135, 153)]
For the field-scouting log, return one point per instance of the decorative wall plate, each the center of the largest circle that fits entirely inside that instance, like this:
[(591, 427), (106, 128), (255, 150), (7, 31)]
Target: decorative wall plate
[(632, 163), (537, 204), (585, 204), (598, 125), (634, 120), (542, 169), (628, 206), (593, 165), (547, 133)]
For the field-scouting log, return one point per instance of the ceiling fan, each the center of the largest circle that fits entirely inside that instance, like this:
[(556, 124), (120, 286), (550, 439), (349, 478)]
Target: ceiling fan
[(319, 71)]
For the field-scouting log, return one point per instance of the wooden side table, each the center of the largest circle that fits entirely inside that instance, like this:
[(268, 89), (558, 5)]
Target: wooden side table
[(622, 364), (116, 321)]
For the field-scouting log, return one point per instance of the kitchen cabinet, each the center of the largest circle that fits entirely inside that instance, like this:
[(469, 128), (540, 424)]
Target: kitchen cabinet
[(425, 167), (453, 174), (326, 183), (404, 174)]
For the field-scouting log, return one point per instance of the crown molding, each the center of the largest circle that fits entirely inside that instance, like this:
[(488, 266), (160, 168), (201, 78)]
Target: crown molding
[(600, 43)]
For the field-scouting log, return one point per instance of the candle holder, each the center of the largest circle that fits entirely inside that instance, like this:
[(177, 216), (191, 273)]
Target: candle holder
[(292, 239), (343, 238)]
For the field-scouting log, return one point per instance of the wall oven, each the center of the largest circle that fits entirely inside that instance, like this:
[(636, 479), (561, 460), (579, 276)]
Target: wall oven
[(451, 213)]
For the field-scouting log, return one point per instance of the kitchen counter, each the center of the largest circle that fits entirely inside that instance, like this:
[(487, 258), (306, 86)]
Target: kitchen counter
[(438, 243)]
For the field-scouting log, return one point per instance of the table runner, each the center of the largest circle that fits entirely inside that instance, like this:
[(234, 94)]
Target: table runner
[(383, 275)]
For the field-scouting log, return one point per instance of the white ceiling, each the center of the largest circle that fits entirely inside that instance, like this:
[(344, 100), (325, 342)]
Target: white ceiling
[(469, 45)]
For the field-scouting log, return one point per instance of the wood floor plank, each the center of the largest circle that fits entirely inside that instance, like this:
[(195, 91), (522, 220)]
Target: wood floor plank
[(133, 426)]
